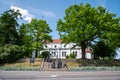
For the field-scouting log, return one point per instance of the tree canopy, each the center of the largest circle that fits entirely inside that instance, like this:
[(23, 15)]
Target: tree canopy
[(83, 24), (21, 39), (36, 34), (8, 27), (103, 51)]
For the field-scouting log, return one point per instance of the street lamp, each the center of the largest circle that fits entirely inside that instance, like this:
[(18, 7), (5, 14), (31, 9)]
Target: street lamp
[(49, 58), (56, 53), (56, 63), (49, 54)]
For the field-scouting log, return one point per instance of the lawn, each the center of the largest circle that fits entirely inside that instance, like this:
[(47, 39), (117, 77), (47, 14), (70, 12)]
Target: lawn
[(21, 66), (72, 65)]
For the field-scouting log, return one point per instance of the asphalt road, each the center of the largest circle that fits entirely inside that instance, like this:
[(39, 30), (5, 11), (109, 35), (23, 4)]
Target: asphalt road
[(39, 75)]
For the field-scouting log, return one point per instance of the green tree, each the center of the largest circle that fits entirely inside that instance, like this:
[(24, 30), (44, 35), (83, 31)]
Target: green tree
[(84, 24), (26, 40), (8, 27), (39, 31), (10, 53), (103, 51)]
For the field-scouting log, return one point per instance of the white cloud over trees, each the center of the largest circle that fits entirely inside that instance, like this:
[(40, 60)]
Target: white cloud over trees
[(25, 13)]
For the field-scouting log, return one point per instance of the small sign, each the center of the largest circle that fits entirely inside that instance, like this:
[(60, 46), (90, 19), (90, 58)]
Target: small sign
[(31, 60)]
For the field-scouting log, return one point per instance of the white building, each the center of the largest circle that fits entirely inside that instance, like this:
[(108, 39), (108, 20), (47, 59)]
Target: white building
[(60, 50)]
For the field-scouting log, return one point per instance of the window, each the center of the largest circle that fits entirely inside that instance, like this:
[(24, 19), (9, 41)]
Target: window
[(53, 54), (64, 54), (55, 46), (75, 53), (64, 46)]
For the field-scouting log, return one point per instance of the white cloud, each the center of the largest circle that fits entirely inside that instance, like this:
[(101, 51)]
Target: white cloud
[(44, 13), (25, 13), (47, 13)]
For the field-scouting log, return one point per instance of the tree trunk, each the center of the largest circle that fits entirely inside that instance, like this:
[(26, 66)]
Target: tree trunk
[(83, 52), (83, 47)]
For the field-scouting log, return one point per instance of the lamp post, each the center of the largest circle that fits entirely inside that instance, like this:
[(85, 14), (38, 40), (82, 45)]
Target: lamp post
[(49, 58), (56, 63), (56, 53), (49, 54), (59, 53)]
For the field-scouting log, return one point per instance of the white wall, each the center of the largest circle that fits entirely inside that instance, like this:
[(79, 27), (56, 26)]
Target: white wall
[(61, 48), (88, 55)]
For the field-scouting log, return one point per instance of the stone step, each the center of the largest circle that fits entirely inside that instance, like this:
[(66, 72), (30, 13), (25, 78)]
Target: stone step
[(55, 69), (47, 67)]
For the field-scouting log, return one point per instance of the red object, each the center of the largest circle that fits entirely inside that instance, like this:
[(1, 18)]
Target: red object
[(57, 41), (87, 50)]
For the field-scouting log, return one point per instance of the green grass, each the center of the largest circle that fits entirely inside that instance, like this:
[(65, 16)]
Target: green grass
[(72, 65), (94, 68), (6, 68), (26, 66), (75, 67)]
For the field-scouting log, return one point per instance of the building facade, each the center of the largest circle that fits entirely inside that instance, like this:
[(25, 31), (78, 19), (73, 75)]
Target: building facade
[(59, 50)]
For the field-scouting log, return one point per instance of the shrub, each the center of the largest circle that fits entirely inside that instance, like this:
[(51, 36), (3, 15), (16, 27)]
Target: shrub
[(72, 56), (44, 55), (91, 62), (94, 68), (10, 53)]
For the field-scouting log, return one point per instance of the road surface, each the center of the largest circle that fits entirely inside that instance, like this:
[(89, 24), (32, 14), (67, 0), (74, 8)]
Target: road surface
[(39, 75)]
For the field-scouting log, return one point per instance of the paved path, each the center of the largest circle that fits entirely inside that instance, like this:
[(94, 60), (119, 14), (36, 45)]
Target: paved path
[(37, 75)]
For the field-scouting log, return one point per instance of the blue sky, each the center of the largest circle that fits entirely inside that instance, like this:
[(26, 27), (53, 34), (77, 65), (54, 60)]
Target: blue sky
[(52, 10)]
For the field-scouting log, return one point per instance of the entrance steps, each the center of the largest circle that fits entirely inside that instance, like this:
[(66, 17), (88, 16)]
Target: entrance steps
[(47, 67)]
